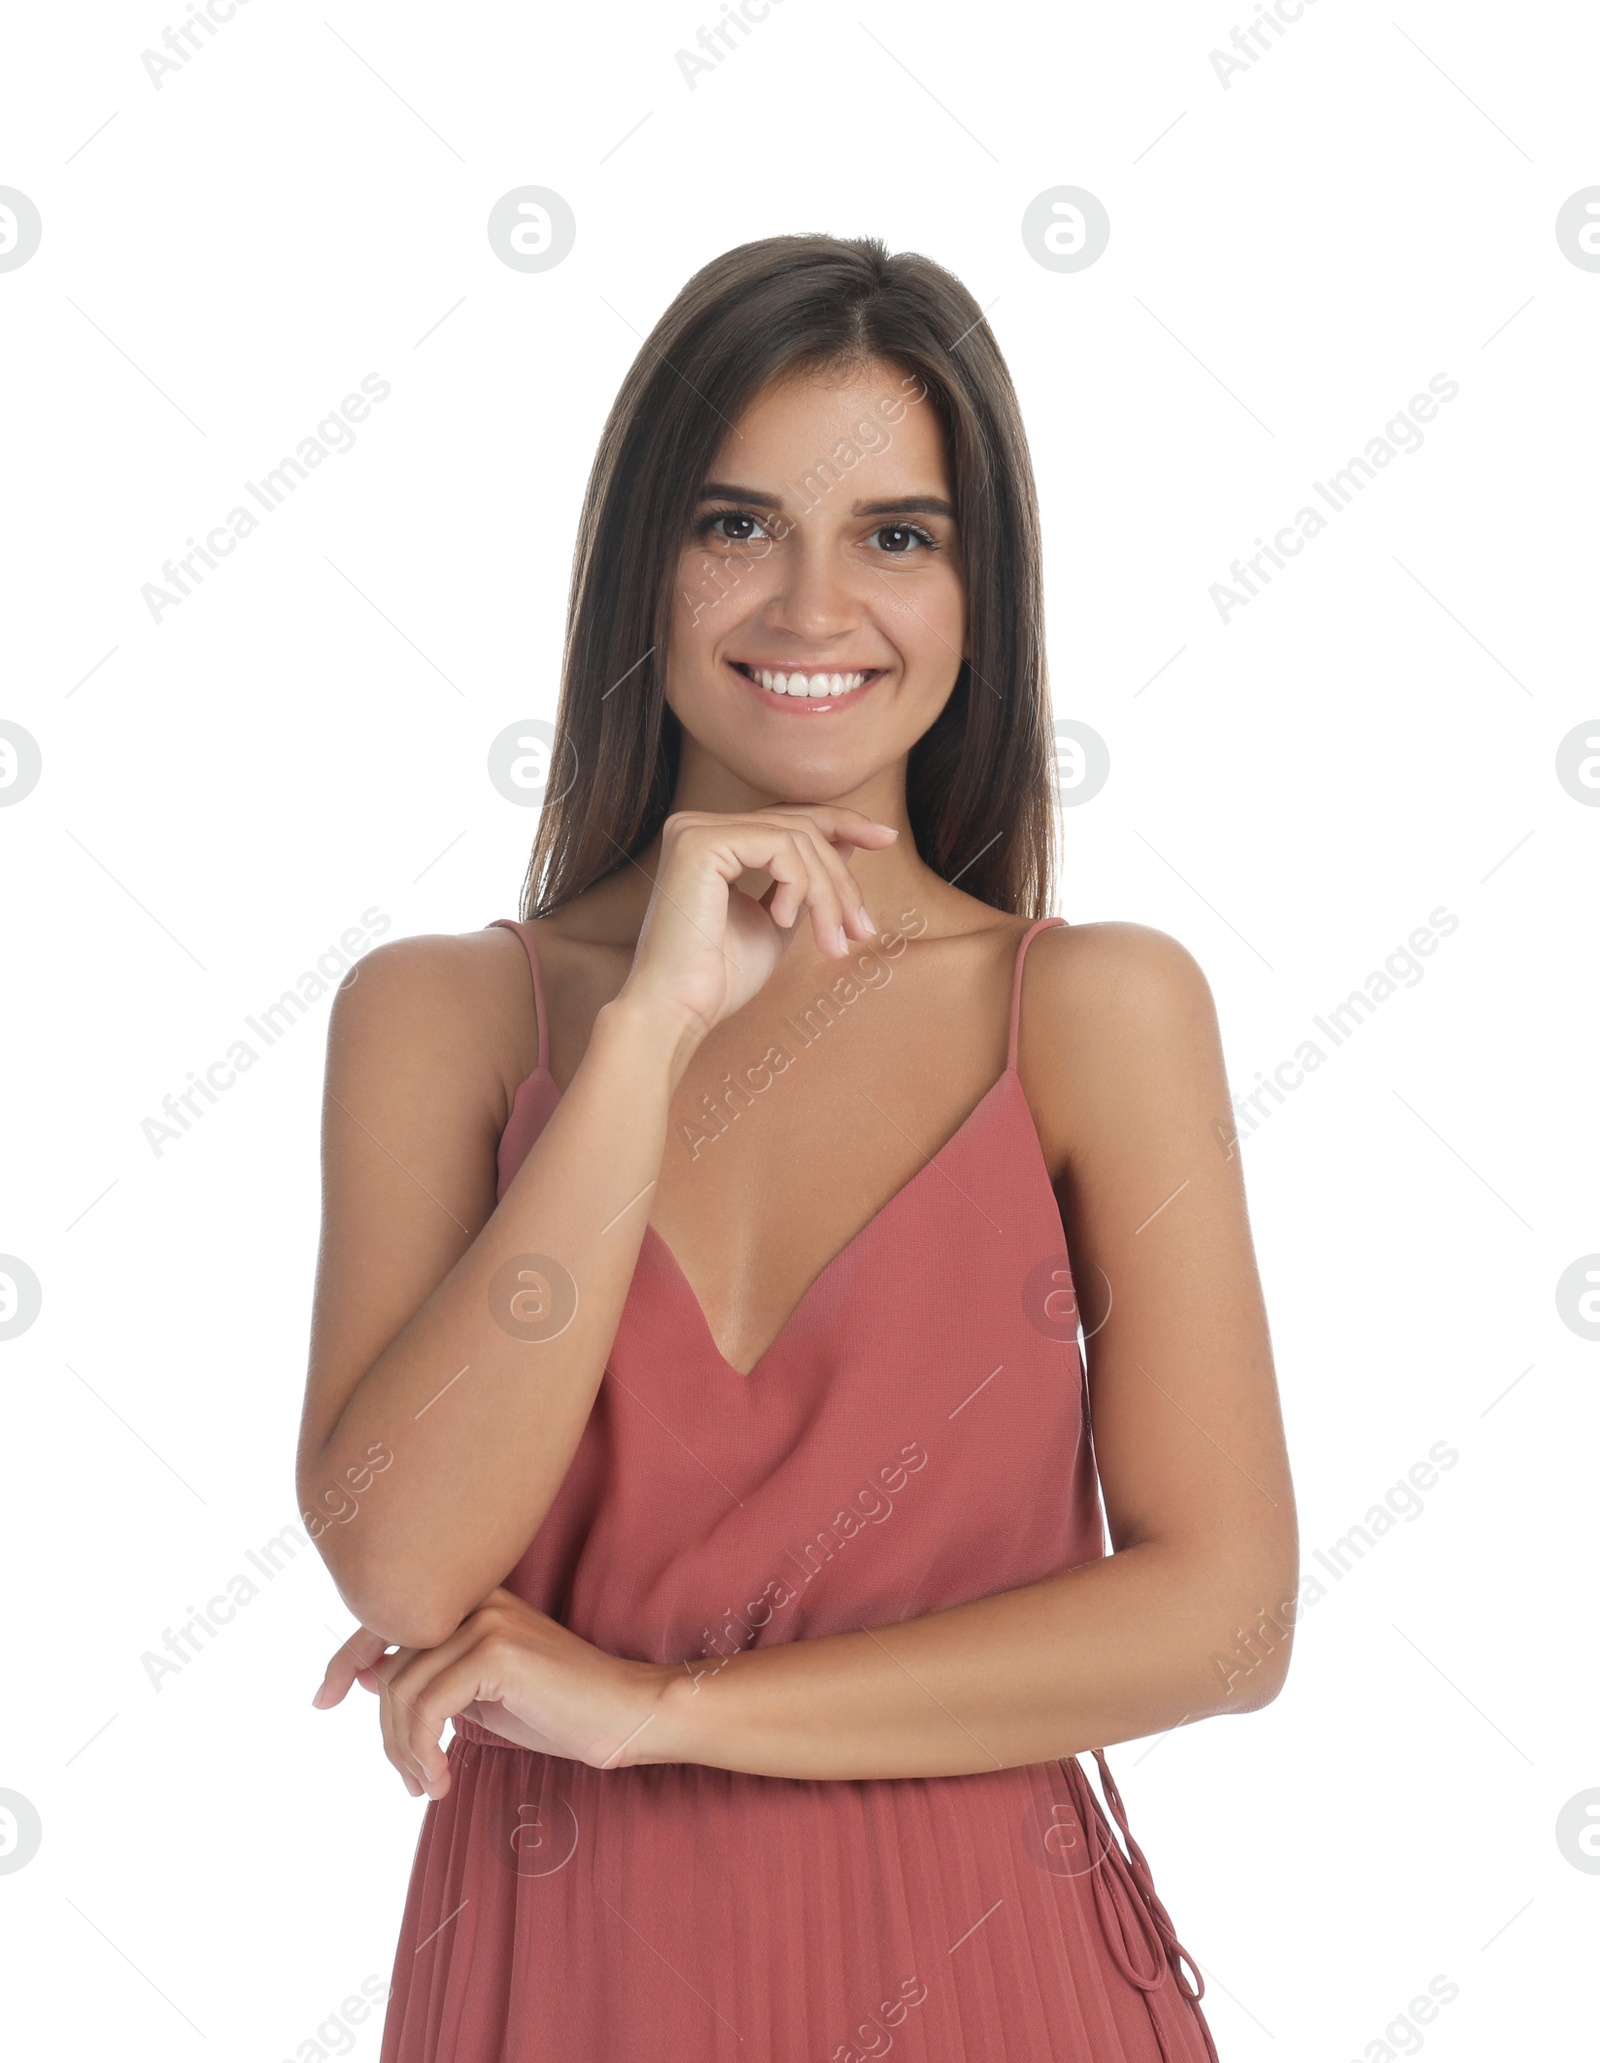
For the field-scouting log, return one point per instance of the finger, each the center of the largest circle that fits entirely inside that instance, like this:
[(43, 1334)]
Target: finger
[(348, 1664), (383, 1724), (409, 1773), (406, 1678), (388, 1719), (773, 850), (834, 830), (834, 896), (801, 876), (420, 1723), (699, 847), (826, 846), (837, 820), (410, 1690), (805, 884), (832, 857)]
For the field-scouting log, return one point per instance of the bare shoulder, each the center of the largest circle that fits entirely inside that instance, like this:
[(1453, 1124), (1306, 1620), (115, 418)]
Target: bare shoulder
[(1119, 1017), (450, 1008), (1096, 968)]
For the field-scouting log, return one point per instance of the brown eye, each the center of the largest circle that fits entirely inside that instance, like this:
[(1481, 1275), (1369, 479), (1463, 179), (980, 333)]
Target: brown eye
[(748, 531), (906, 536)]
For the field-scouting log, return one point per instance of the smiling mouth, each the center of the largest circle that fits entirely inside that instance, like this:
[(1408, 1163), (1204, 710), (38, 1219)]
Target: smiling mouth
[(814, 685)]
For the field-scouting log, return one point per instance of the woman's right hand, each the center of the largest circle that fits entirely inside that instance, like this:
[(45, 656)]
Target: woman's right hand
[(705, 948)]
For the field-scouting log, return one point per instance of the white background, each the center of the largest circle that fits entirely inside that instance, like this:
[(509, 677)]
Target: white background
[(1292, 792)]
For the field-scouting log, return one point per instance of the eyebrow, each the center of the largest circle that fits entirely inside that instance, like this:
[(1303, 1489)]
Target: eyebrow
[(907, 505)]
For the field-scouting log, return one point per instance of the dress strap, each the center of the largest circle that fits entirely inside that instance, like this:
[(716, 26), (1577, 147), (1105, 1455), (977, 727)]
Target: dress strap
[(522, 931), (1016, 984)]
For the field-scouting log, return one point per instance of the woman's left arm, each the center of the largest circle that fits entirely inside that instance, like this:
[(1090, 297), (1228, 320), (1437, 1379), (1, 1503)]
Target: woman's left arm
[(1190, 1615)]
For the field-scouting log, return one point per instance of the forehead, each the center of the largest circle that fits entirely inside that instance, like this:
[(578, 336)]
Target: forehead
[(803, 418)]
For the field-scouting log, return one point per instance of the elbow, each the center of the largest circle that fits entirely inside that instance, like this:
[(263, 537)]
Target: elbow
[(1248, 1643), (375, 1585), (408, 1629), (400, 1613), (1250, 1665), (1264, 1683)]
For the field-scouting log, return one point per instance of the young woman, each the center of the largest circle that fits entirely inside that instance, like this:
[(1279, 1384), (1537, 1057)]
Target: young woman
[(700, 1379)]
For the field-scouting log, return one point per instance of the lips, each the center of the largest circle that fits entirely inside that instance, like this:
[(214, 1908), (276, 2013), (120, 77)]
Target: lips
[(807, 684)]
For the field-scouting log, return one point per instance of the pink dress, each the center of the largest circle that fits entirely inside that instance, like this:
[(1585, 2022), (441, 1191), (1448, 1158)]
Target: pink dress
[(916, 1436)]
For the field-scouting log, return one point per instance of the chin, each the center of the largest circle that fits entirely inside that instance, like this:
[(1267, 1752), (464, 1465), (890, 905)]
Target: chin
[(801, 787)]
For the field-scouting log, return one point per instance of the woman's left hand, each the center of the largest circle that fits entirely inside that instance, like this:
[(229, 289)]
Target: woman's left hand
[(511, 1669)]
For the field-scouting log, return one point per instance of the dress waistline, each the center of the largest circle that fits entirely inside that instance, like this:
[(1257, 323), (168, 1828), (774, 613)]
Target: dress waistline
[(1127, 1904)]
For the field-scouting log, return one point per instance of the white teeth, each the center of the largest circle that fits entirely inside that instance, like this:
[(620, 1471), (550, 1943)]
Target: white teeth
[(815, 685)]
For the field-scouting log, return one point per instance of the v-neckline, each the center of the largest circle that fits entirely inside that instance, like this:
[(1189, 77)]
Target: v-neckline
[(676, 1270)]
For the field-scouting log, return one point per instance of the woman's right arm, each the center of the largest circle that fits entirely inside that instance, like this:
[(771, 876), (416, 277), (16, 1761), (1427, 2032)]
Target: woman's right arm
[(433, 1440)]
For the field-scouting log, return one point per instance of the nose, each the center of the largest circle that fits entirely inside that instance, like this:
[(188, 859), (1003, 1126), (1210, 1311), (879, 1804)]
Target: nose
[(814, 598)]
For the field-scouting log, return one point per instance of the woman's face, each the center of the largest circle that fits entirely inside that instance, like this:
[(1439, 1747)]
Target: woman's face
[(819, 608)]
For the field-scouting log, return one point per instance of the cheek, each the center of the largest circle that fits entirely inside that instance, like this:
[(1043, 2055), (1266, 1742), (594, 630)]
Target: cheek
[(696, 583), (713, 589), (698, 602), (928, 622)]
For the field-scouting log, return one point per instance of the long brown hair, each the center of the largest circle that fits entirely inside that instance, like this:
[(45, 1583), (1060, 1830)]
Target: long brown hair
[(980, 781)]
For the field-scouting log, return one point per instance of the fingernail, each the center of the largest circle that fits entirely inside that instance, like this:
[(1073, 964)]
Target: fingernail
[(844, 943), (866, 919)]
